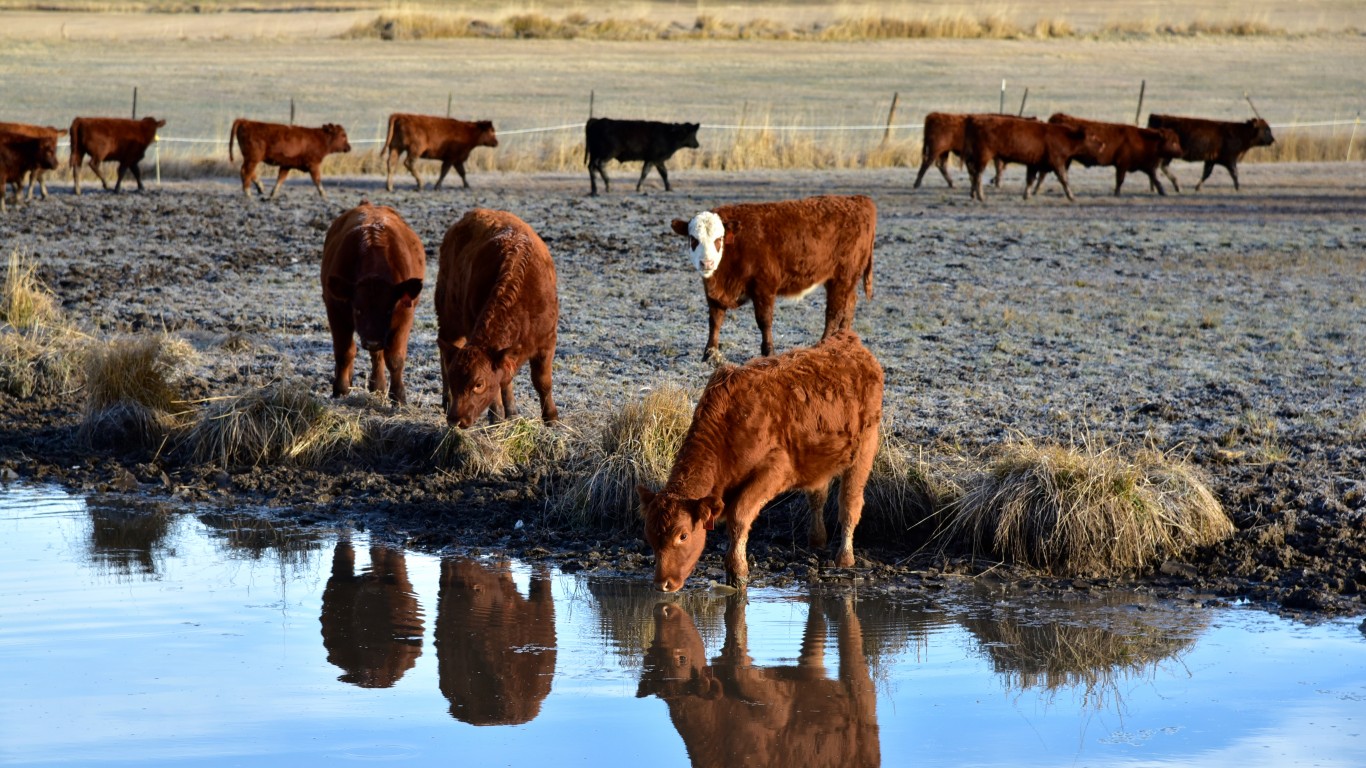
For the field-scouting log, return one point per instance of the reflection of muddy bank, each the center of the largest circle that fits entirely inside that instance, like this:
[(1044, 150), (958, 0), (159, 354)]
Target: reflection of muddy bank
[(495, 649), (256, 538), (1089, 645), (730, 712), (127, 538), (371, 622)]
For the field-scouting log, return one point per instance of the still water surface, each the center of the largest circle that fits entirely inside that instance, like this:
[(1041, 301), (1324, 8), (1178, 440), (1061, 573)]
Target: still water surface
[(135, 634)]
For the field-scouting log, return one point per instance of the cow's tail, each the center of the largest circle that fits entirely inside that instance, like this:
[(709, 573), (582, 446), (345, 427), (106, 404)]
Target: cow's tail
[(232, 138), (868, 280), (389, 135), (75, 139)]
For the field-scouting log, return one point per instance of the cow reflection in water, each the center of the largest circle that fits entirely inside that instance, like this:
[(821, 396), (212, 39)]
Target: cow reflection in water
[(372, 625), (730, 712), (495, 649)]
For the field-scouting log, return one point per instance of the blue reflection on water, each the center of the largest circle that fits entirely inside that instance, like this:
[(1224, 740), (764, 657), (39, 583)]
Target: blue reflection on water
[(137, 634)]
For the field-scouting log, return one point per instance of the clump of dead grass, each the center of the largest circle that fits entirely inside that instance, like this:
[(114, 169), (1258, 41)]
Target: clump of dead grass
[(25, 302), (1084, 510), (636, 444), (903, 494), (39, 350), (282, 421), (132, 389)]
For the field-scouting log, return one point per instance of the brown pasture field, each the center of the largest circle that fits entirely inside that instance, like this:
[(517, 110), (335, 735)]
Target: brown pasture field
[(1221, 327)]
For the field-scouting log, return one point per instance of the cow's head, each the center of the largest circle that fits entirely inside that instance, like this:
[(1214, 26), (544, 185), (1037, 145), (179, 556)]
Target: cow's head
[(706, 241), (686, 135), (375, 303), (1170, 145), (487, 137), (676, 529), (475, 377), (336, 138), (1090, 142), (676, 662), (1261, 132), (47, 153)]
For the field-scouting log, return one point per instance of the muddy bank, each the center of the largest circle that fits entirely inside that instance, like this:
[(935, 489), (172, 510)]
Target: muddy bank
[(1225, 327)]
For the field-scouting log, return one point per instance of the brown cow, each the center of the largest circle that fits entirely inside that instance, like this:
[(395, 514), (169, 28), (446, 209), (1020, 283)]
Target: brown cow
[(21, 155), (496, 308), (111, 138), (45, 132), (777, 423), (1034, 144), (1128, 148), (434, 138), (371, 622), (761, 251), (942, 136), (372, 270), (1213, 142), (731, 712), (495, 649), (292, 148)]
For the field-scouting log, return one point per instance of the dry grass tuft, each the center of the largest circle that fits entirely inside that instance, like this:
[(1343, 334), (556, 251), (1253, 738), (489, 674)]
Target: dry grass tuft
[(283, 421), (25, 302), (903, 494), (1084, 511), (637, 444), (132, 393)]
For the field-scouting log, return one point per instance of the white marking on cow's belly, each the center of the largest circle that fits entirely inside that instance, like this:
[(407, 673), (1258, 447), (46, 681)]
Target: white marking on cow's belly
[(795, 297)]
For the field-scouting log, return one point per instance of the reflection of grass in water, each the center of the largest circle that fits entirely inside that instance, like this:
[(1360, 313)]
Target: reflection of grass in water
[(128, 539), (1087, 646), (257, 538), (625, 614)]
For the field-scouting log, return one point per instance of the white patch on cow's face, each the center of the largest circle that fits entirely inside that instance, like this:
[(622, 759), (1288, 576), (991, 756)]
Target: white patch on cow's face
[(706, 239)]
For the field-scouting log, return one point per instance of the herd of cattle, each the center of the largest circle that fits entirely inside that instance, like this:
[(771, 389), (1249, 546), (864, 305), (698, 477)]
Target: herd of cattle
[(779, 422), (29, 151)]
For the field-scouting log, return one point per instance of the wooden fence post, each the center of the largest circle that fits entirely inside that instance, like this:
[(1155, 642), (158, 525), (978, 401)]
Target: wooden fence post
[(1142, 87), (449, 98), (1002, 110), (891, 113), (591, 96), (135, 102), (291, 110), (1023, 99)]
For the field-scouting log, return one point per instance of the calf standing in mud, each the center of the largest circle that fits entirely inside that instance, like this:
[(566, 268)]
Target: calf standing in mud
[(797, 420), (373, 268)]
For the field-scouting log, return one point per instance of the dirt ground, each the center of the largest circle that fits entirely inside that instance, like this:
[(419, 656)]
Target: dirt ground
[(1227, 327)]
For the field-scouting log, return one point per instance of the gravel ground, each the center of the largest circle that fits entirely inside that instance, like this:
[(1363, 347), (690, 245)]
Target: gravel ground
[(1228, 327)]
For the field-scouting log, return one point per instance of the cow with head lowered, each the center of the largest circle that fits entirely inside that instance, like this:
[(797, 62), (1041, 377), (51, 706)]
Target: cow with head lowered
[(21, 156), (44, 157), (1213, 142), (628, 140), (762, 251), (497, 308), (987, 138), (111, 138), (372, 271), (794, 421), (433, 138), (1126, 148), (290, 147)]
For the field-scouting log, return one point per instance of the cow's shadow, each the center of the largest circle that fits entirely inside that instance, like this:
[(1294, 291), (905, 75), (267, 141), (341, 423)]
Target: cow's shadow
[(731, 712)]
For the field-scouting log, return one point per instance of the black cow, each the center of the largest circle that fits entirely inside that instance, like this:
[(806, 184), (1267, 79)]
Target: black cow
[(628, 140)]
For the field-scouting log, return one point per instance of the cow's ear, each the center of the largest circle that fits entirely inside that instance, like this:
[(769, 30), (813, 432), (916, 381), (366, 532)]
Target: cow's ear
[(502, 358), (459, 343), (408, 290), (646, 495), (680, 227), (709, 511), (340, 287), (61, 131), (445, 345)]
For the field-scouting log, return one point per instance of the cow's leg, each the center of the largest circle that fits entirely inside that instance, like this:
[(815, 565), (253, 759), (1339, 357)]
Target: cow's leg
[(1153, 183), (664, 174), (840, 301), (975, 176), (1060, 170), (541, 367), (30, 177), (390, 158), (316, 173), (342, 325), (852, 483), (1233, 172), (925, 162), (1119, 180), (1000, 166), (716, 314), (118, 179), (1209, 169), (137, 174), (281, 180), (445, 169), (602, 172), (1167, 171), (815, 501), (460, 169), (412, 168), (763, 315), (95, 166), (377, 366), (943, 166), (592, 180), (644, 169), (508, 405), (743, 511), (42, 183), (394, 358)]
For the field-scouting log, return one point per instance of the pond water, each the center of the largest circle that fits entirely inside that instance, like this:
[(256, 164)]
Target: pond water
[(142, 634)]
